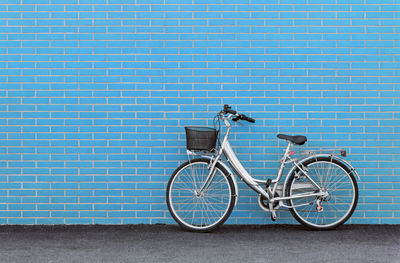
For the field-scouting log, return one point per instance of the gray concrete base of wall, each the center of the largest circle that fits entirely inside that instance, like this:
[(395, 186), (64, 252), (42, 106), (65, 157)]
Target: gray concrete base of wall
[(167, 243)]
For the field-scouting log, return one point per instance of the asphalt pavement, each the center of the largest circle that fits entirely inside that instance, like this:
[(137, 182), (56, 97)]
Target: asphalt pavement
[(168, 243)]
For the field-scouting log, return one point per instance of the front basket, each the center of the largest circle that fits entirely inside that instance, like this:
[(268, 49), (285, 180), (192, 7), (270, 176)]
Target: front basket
[(201, 138)]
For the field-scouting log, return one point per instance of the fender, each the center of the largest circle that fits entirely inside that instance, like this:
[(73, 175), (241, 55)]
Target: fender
[(231, 175), (352, 169)]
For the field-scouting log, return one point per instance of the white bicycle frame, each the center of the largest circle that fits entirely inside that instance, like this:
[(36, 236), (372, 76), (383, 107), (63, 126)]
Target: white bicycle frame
[(255, 184)]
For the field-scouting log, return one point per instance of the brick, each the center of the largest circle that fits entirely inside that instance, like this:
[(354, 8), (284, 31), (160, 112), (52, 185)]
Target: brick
[(92, 108)]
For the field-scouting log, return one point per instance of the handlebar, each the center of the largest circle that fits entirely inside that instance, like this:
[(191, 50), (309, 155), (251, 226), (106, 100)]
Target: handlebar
[(245, 118), (228, 109)]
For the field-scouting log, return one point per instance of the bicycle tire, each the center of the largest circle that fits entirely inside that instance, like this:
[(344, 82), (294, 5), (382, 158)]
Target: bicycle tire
[(319, 160), (172, 207)]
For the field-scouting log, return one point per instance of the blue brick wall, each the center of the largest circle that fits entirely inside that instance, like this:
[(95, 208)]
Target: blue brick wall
[(94, 95)]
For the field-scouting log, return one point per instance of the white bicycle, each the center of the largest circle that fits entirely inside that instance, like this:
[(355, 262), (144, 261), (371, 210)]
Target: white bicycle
[(320, 189)]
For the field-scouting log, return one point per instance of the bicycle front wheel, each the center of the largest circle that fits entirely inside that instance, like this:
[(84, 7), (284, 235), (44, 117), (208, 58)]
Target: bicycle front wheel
[(200, 212), (331, 210)]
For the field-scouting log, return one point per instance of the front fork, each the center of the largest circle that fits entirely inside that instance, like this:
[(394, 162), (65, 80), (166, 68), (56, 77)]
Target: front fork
[(211, 175)]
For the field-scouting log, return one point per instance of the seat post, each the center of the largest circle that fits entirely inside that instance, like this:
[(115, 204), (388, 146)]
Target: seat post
[(282, 166), (290, 144)]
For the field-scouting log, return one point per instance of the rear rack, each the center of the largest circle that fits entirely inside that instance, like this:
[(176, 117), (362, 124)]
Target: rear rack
[(342, 152)]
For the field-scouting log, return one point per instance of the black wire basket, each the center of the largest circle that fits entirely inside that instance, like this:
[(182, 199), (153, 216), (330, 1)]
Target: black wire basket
[(201, 138)]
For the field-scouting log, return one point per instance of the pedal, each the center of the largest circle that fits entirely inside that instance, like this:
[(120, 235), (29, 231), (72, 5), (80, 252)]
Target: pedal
[(272, 211), (273, 216)]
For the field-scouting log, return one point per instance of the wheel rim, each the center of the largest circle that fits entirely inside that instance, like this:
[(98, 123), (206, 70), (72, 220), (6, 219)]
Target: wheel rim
[(203, 211), (336, 206)]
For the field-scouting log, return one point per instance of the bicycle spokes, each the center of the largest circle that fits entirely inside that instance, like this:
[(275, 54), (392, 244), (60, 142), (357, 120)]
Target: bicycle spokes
[(337, 194), (198, 208)]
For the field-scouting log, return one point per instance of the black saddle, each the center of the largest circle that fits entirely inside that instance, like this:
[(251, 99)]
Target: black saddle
[(298, 139)]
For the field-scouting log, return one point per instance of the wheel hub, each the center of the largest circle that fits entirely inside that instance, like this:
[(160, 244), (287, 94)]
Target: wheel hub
[(324, 193), (198, 194)]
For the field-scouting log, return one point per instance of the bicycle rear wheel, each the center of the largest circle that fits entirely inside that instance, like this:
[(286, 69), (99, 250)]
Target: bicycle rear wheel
[(210, 209), (328, 212)]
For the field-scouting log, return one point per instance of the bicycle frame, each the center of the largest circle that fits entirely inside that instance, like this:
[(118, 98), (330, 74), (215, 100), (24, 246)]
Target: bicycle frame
[(202, 192), (241, 172)]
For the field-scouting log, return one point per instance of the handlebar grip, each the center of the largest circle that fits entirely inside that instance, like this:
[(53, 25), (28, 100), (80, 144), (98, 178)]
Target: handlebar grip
[(244, 117), (230, 111), (248, 119)]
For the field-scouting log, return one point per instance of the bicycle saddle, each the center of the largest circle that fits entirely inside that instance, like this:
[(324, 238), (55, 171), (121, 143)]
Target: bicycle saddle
[(298, 139)]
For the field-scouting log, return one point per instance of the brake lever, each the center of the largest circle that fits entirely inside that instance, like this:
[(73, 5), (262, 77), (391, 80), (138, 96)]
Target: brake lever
[(241, 124)]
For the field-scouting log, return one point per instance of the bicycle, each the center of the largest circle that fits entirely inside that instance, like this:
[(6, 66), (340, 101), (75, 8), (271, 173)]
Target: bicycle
[(320, 190)]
